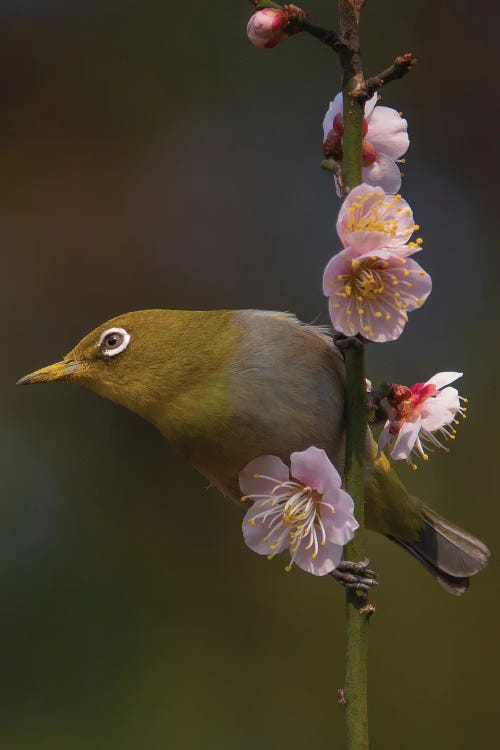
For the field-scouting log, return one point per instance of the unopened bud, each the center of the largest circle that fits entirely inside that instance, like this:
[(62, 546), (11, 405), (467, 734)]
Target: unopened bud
[(338, 123), (333, 145), (266, 28), (368, 154)]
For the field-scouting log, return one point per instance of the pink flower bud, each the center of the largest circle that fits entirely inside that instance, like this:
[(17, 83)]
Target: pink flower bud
[(266, 28), (338, 123), (369, 155), (333, 146)]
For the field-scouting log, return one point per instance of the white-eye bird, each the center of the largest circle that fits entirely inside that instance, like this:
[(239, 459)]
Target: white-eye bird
[(225, 387)]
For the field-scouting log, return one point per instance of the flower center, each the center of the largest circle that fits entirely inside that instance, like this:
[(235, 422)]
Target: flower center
[(365, 280), (408, 403), (301, 508), (291, 512), (368, 283), (363, 218)]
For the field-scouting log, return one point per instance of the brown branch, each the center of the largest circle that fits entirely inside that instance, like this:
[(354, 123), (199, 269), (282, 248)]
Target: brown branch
[(401, 66)]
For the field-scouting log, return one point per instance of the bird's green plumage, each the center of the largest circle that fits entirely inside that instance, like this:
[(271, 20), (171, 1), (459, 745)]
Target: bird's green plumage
[(173, 371), (228, 386)]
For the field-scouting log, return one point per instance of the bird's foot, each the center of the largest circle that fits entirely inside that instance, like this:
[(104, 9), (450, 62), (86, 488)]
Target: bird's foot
[(355, 575)]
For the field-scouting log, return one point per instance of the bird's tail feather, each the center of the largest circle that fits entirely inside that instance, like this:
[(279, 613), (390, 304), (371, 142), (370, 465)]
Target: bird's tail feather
[(448, 552)]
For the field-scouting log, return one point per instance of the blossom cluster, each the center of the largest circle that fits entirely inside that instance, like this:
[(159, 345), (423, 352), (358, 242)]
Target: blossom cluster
[(373, 283)]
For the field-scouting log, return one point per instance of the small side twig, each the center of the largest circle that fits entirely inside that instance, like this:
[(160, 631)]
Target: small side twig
[(368, 610), (331, 165), (401, 66)]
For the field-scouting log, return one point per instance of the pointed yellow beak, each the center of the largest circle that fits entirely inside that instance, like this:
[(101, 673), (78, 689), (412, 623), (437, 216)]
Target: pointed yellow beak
[(59, 371)]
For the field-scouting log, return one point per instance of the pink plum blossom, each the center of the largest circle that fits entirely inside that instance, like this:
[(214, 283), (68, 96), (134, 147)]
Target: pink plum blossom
[(302, 508), (370, 219), (418, 414), (372, 293), (385, 140), (266, 27)]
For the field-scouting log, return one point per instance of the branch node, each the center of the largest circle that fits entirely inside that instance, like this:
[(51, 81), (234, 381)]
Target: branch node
[(348, 342), (367, 610), (341, 699)]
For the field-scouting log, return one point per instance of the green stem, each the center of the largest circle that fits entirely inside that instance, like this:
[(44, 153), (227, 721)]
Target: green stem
[(352, 140), (356, 679), (357, 612)]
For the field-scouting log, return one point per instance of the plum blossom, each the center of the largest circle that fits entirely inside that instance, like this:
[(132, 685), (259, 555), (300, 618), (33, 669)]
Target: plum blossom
[(369, 219), (302, 508), (419, 414), (266, 27), (385, 140), (373, 293)]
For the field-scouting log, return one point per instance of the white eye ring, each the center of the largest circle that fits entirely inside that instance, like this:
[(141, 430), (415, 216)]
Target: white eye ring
[(113, 348)]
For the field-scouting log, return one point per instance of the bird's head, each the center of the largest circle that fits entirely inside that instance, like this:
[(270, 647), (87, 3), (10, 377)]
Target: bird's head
[(118, 359), (147, 361)]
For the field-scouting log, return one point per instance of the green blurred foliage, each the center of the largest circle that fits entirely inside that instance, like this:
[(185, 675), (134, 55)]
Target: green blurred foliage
[(152, 158)]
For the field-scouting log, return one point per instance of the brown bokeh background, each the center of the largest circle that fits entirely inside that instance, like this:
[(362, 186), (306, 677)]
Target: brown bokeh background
[(152, 158)]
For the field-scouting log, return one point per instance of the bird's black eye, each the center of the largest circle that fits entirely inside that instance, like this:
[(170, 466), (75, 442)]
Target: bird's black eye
[(113, 341)]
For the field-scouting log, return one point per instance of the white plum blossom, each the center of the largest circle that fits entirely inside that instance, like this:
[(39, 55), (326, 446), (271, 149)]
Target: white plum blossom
[(373, 293), (419, 414), (373, 284), (385, 140), (370, 219), (302, 508)]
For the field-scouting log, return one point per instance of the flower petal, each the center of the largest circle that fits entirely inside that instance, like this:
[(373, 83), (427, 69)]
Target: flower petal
[(406, 439), (340, 500), (339, 264), (270, 466), (387, 132), (384, 172), (327, 559), (314, 469), (444, 378), (340, 306), (440, 410), (340, 527), (385, 328), (384, 437), (415, 284), (258, 536)]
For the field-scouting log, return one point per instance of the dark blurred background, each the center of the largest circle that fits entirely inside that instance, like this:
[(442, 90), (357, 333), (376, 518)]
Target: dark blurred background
[(151, 157)]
